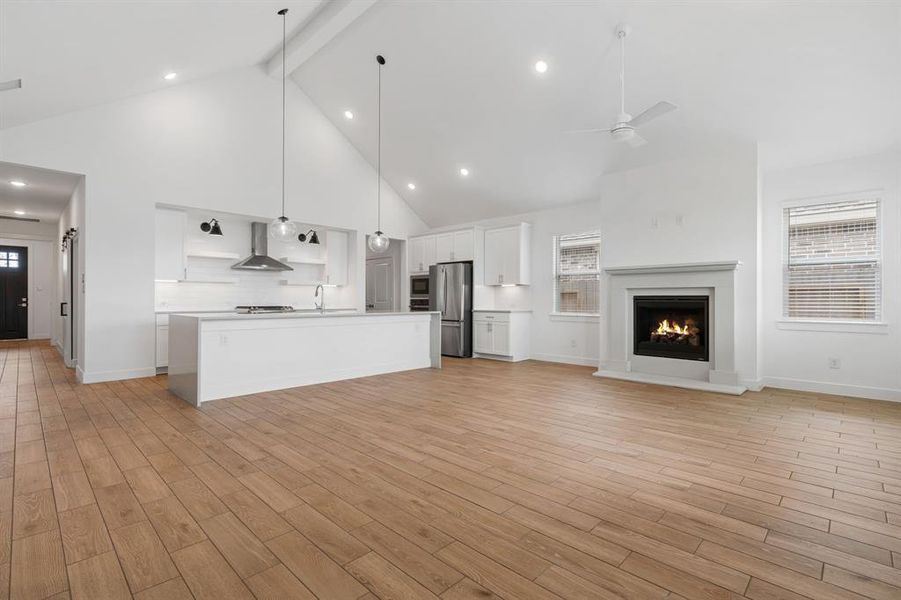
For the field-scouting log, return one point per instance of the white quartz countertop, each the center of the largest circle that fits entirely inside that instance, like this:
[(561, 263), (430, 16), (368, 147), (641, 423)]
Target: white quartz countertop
[(503, 310), (300, 314)]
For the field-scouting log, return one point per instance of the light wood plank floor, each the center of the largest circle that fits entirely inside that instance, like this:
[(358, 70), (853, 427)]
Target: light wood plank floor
[(480, 480)]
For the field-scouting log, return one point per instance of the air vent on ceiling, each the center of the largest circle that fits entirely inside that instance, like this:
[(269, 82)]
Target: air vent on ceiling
[(10, 218)]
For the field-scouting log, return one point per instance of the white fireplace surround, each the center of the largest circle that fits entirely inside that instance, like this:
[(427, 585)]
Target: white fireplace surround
[(713, 279)]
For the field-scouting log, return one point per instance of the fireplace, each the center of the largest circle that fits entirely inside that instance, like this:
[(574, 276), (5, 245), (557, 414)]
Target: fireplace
[(671, 327)]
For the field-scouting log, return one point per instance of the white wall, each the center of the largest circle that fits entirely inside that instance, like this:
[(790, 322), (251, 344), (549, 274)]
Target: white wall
[(44, 230), (692, 210), (214, 144), (870, 362)]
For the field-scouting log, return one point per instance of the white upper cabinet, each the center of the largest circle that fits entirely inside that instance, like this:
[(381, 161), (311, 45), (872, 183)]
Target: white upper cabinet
[(170, 244), (422, 252), (507, 253), (427, 250), (444, 247), (335, 257), (464, 245)]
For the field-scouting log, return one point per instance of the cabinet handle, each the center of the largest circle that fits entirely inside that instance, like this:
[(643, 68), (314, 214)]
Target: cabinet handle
[(62, 309)]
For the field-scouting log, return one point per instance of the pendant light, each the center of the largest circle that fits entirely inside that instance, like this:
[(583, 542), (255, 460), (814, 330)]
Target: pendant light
[(378, 241), (282, 229)]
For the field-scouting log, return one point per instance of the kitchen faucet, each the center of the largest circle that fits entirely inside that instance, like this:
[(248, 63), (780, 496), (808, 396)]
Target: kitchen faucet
[(321, 304)]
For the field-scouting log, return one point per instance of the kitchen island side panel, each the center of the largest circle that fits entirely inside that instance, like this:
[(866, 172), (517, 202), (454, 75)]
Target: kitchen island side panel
[(245, 356), (184, 358)]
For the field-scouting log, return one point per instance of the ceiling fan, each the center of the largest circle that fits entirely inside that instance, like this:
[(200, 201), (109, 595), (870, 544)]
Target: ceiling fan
[(623, 130)]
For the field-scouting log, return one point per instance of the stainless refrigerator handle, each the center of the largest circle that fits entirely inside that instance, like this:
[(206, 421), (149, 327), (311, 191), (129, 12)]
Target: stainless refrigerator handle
[(444, 309)]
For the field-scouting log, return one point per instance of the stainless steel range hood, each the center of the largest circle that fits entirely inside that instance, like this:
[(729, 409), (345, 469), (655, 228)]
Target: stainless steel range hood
[(259, 259)]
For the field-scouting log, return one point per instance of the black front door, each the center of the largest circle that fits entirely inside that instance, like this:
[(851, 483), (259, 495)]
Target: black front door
[(13, 293)]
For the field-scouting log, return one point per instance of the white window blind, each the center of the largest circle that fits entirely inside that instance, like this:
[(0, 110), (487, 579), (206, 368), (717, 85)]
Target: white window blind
[(832, 268), (577, 273)]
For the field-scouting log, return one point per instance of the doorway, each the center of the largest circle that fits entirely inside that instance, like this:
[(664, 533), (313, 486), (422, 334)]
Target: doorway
[(380, 284), (13, 293), (67, 308)]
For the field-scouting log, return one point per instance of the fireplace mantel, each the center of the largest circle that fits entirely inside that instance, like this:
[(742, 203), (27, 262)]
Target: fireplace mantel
[(716, 280), (729, 265)]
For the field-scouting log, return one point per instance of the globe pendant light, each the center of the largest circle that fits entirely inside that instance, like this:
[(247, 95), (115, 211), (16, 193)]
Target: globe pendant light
[(378, 241), (282, 229)]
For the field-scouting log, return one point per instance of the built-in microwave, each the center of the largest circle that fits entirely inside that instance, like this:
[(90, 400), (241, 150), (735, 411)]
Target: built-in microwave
[(419, 286)]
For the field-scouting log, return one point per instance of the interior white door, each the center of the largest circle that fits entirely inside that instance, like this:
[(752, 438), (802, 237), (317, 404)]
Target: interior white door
[(380, 284)]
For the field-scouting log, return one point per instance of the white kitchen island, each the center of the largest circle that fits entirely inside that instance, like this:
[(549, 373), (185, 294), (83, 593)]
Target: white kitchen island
[(221, 355)]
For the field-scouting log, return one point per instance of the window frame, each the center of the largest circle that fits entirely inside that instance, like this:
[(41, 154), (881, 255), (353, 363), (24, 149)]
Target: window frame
[(556, 313), (878, 325)]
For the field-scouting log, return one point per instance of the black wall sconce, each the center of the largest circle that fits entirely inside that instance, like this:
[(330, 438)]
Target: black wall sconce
[(314, 237), (211, 227), (67, 237)]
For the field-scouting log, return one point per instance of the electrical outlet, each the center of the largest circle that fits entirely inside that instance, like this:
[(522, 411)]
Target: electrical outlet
[(223, 339), (834, 363), (572, 343)]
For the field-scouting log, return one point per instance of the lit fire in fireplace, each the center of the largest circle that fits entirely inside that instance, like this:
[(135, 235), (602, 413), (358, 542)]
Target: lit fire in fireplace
[(673, 333), (666, 327)]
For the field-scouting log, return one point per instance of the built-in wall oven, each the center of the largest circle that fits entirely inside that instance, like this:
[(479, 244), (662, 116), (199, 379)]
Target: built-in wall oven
[(419, 292)]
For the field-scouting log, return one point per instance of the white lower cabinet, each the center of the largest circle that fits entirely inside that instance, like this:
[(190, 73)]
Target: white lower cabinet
[(502, 335)]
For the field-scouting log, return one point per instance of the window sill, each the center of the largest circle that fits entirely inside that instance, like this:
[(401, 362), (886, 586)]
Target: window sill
[(586, 317), (871, 327)]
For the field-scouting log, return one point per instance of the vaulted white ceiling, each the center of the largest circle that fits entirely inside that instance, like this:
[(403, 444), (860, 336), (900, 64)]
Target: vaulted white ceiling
[(76, 54), (809, 81)]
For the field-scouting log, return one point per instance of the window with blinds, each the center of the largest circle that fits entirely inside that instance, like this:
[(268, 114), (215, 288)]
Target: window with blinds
[(577, 273), (832, 267)]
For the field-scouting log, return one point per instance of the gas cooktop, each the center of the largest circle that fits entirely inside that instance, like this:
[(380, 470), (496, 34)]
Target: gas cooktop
[(263, 309)]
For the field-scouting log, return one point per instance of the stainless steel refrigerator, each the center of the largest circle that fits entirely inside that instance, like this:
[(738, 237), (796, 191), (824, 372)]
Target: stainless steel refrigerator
[(450, 291)]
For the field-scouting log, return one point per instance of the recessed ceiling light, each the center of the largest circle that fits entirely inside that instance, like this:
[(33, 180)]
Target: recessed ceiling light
[(411, 185), (170, 76), (17, 183), (19, 212), (464, 172), (348, 115), (541, 66)]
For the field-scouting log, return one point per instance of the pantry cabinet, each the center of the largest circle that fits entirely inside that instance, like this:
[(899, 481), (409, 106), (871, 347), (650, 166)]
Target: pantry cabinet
[(507, 252)]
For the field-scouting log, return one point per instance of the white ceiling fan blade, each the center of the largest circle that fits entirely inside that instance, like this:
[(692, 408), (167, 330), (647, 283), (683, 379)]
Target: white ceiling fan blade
[(658, 110), (636, 140), (12, 84), (606, 130)]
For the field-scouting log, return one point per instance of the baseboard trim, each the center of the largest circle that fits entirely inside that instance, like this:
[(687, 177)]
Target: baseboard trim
[(566, 359), (102, 376), (679, 382), (837, 389), (754, 385)]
